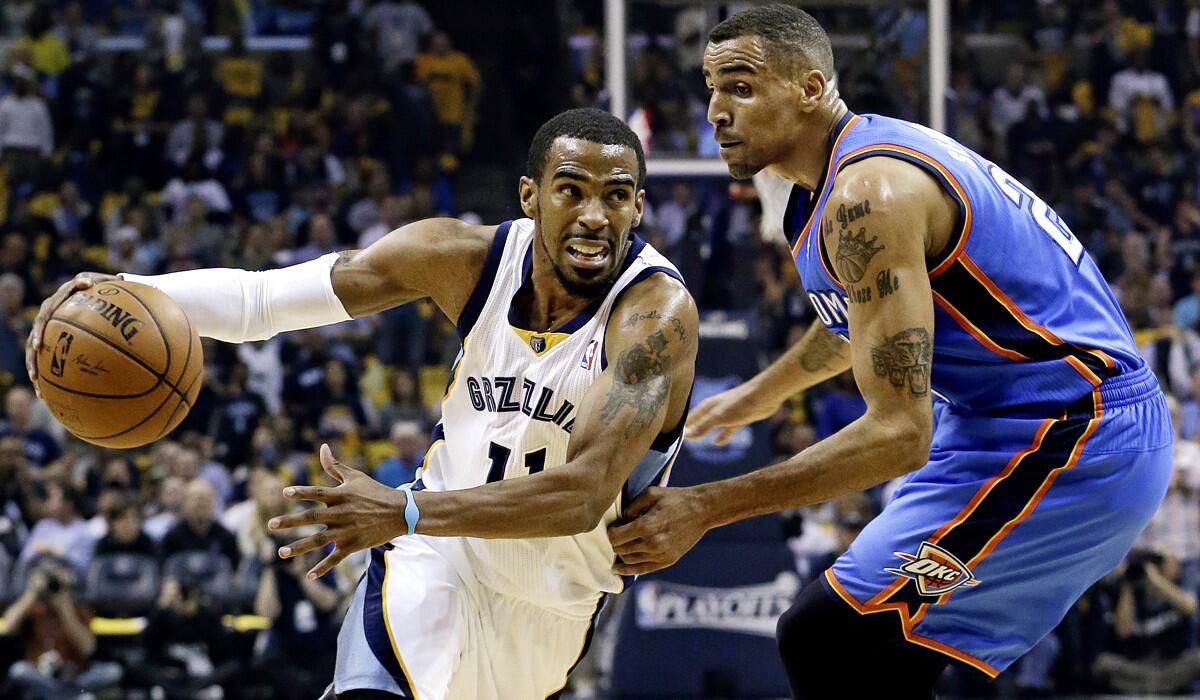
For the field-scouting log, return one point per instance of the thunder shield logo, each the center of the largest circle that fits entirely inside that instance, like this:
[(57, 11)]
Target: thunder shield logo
[(935, 570), (58, 361)]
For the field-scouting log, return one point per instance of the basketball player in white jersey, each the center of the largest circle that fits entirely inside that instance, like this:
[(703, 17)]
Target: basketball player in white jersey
[(567, 400)]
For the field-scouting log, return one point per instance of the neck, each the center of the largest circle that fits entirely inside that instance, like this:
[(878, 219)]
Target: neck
[(806, 162), (548, 304), (545, 304)]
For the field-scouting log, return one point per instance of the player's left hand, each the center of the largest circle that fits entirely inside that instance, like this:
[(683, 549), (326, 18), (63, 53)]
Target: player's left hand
[(360, 513), (663, 525)]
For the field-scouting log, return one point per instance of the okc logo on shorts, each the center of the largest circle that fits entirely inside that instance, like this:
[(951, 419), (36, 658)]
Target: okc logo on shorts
[(935, 570)]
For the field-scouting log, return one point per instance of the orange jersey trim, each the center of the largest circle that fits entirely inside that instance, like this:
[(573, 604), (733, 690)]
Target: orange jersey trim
[(830, 174)]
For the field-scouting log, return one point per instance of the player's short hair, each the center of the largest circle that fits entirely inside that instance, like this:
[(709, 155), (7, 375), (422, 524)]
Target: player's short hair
[(589, 124), (791, 32)]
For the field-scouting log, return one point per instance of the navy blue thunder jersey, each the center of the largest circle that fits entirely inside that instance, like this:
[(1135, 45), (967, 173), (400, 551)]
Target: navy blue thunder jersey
[(1023, 320)]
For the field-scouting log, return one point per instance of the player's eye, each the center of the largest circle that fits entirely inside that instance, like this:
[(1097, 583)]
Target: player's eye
[(742, 90), (619, 195), (571, 191)]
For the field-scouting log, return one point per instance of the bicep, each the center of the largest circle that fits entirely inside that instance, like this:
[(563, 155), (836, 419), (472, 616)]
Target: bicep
[(432, 258), (652, 345), (891, 304)]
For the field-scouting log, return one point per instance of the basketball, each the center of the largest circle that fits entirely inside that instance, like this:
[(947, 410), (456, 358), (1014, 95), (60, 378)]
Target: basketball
[(120, 364)]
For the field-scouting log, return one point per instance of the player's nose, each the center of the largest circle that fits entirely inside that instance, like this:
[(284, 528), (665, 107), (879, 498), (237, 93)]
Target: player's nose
[(593, 216), (718, 114)]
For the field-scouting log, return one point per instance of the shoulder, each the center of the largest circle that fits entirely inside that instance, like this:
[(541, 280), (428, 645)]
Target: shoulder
[(657, 291), (885, 178), (658, 304), (892, 203)]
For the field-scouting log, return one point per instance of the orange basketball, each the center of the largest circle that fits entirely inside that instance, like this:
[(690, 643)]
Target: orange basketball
[(120, 364)]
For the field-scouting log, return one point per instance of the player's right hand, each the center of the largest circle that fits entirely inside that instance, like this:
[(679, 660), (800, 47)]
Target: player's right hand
[(81, 281), (728, 412)]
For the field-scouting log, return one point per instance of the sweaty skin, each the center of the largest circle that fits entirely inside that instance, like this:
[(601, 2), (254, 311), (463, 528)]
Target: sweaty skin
[(781, 120), (589, 197)]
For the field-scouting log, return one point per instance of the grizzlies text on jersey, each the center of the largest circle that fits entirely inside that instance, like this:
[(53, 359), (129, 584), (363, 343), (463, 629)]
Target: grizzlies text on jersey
[(492, 619)]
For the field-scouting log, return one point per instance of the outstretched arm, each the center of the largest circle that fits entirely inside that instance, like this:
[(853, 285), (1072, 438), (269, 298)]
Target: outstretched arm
[(818, 356), (651, 340), (436, 258), (892, 355)]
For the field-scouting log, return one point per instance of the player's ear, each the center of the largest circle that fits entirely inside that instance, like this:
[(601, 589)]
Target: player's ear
[(639, 205), (813, 87), (528, 193)]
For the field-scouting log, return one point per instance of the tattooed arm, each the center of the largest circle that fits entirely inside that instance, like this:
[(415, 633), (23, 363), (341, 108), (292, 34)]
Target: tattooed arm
[(895, 216), (651, 349), (818, 356)]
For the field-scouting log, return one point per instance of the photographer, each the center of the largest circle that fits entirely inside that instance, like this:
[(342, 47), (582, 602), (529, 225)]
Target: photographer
[(58, 643), (188, 646), (1151, 624), (303, 622)]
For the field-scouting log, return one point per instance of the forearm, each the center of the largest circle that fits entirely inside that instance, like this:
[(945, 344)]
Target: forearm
[(325, 598), (1123, 621), (266, 599), (817, 356), (15, 615), (76, 629), (236, 306), (552, 503), (1180, 599), (867, 452)]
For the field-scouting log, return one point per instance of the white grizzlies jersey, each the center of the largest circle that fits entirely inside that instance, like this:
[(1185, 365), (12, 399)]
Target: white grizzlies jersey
[(508, 412)]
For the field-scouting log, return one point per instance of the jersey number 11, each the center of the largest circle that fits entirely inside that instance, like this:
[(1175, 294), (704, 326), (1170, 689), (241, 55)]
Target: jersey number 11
[(535, 461)]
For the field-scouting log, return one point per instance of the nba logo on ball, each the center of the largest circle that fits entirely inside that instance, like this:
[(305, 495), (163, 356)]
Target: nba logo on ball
[(589, 355), (537, 342), (58, 361)]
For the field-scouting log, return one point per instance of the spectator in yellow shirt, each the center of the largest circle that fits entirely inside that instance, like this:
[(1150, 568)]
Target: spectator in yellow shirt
[(453, 84), (48, 53)]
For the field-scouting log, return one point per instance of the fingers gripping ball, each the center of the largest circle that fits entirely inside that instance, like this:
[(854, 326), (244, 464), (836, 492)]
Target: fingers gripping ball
[(120, 364)]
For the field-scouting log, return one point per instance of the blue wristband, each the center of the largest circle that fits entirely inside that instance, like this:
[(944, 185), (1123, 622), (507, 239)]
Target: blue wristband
[(411, 512)]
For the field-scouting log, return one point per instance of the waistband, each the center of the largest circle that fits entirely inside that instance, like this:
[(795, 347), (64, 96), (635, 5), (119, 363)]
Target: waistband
[(1129, 388)]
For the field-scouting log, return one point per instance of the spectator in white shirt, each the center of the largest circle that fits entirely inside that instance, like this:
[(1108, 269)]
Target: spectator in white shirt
[(196, 137), (1175, 527), (63, 532), (398, 28), (395, 212), (1138, 81), (26, 132), (1010, 101)]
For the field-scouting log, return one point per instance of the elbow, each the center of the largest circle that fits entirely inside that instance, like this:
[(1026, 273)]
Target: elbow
[(909, 438), (586, 517)]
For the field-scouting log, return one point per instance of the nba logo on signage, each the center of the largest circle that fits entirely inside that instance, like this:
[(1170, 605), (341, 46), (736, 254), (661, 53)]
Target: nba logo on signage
[(589, 355)]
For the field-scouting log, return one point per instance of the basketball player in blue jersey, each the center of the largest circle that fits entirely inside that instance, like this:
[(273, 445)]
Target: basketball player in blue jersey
[(567, 400), (1001, 381)]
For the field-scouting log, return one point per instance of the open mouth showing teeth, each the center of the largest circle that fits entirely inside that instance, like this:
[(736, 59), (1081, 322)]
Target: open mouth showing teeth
[(589, 254)]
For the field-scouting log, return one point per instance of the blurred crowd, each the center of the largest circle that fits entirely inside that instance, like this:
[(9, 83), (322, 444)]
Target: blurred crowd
[(174, 154)]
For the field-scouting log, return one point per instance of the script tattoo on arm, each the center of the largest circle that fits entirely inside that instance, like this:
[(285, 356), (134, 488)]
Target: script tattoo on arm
[(854, 249), (823, 348), (643, 382), (904, 360), (676, 324)]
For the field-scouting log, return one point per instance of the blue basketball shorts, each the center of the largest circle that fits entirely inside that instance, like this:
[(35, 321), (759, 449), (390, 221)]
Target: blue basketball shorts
[(981, 552)]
